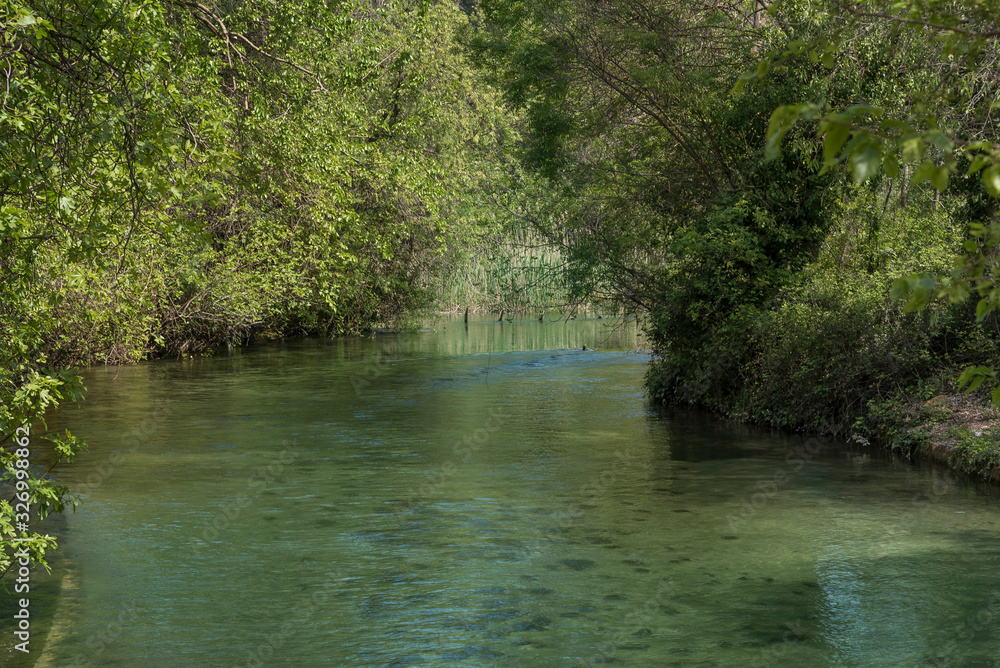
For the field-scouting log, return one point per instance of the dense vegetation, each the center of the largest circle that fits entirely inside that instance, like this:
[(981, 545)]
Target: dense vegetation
[(694, 148), (178, 176)]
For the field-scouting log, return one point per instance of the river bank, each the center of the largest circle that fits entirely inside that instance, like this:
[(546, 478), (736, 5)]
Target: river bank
[(952, 429), (957, 430)]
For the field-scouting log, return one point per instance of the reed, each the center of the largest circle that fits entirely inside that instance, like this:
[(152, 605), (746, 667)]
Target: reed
[(518, 275)]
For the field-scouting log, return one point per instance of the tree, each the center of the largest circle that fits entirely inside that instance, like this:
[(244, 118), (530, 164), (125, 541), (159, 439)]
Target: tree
[(177, 176), (91, 144), (943, 131), (662, 199)]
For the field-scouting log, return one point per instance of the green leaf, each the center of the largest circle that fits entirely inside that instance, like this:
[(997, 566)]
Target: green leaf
[(894, 124), (743, 81), (900, 288), (782, 120), (856, 110), (982, 308), (917, 301), (913, 149), (939, 139), (866, 161), (977, 163), (940, 179), (829, 62), (996, 395), (890, 165), (924, 172), (991, 180), (836, 135)]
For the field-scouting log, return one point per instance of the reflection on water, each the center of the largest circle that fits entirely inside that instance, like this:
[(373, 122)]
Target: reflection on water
[(495, 496)]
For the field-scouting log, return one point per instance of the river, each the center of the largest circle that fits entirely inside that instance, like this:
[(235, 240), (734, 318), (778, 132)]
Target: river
[(490, 496)]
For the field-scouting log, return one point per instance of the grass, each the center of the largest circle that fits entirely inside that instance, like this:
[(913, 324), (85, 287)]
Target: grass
[(977, 452), (513, 276)]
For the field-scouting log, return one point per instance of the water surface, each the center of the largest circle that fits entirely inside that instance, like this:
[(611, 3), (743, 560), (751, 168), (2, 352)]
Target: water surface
[(495, 496)]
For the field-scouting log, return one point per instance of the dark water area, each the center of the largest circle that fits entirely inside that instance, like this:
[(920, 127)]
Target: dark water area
[(490, 496)]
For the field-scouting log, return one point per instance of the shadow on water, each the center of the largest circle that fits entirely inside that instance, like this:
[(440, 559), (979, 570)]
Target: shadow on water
[(492, 496)]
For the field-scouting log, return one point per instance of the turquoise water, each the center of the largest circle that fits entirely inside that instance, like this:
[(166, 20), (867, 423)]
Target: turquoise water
[(495, 496)]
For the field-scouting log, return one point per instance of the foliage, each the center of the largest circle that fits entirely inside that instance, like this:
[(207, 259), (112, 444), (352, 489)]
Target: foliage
[(661, 195), (832, 352), (27, 393), (977, 452), (651, 168), (689, 150), (179, 176), (506, 274), (90, 144), (941, 131)]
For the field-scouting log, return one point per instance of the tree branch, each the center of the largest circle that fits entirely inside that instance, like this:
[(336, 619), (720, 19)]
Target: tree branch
[(207, 16), (920, 22)]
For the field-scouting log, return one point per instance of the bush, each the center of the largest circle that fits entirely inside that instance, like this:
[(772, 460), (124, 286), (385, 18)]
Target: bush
[(831, 352)]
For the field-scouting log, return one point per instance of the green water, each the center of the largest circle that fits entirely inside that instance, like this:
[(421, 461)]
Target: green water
[(490, 497)]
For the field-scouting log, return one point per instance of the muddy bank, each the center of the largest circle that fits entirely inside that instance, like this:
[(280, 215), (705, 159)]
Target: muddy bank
[(960, 431)]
